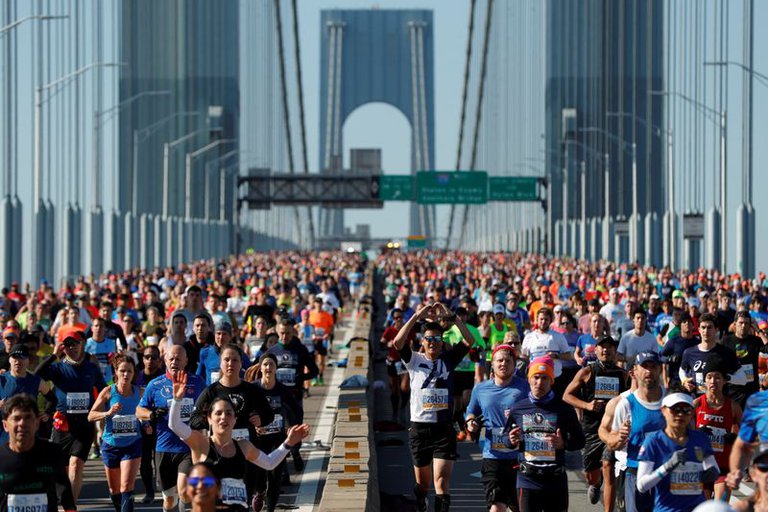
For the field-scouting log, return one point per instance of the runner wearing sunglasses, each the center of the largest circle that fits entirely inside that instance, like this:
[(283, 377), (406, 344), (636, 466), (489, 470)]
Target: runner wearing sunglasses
[(203, 487), (432, 438)]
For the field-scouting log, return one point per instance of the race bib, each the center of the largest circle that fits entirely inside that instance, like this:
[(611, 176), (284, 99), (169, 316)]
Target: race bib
[(717, 438), (685, 480), (187, 405), (215, 376), (124, 425), (749, 372), (500, 440), (537, 448), (77, 403), (276, 425), (434, 399), (400, 368), (238, 434), (233, 492), (286, 376), (27, 503), (606, 387)]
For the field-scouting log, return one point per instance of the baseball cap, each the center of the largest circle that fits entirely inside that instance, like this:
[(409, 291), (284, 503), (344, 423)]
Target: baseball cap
[(73, 338), (224, 327), (543, 364), (645, 357), (257, 290), (498, 309), (762, 325), (608, 340), (677, 294), (654, 296), (19, 350), (673, 399), (10, 331)]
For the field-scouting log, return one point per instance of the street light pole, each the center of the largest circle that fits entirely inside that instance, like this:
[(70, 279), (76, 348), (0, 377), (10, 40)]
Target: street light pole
[(188, 174), (167, 147)]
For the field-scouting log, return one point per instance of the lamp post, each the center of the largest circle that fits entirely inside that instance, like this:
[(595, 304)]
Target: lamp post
[(43, 247), (635, 221), (12, 213), (745, 220), (721, 120), (96, 217)]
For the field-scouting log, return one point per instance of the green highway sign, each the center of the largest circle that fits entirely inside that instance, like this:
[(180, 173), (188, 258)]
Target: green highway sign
[(512, 189), (452, 187), (417, 242), (396, 187)]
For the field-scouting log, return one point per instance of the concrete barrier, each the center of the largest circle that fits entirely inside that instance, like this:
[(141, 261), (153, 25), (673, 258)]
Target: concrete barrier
[(352, 481)]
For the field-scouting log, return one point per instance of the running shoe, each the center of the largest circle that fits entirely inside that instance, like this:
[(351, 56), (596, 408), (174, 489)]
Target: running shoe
[(594, 494), (257, 502)]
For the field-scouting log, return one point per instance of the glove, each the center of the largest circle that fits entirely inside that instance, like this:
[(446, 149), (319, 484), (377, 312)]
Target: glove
[(677, 458)]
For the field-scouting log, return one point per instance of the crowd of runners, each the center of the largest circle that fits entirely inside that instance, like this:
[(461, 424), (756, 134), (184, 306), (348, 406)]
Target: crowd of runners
[(193, 378), (655, 377)]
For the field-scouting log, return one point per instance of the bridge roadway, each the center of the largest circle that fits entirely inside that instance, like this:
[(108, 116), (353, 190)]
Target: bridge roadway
[(303, 495)]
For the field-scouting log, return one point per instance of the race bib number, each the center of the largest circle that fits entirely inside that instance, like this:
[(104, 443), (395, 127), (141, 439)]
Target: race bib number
[(717, 438), (215, 376), (500, 440), (276, 425), (400, 368), (124, 425), (77, 403), (27, 503), (187, 405), (606, 387), (238, 434), (685, 480), (434, 399), (537, 448), (286, 376), (233, 492), (749, 372)]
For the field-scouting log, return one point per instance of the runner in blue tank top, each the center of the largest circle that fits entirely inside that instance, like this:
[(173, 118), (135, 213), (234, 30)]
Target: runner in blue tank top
[(121, 442), (753, 429), (636, 416)]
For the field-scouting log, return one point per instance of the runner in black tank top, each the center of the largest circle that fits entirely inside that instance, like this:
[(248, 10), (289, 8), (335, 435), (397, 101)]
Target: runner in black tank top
[(231, 471)]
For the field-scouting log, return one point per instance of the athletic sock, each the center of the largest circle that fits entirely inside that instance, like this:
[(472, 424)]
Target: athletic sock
[(116, 501), (442, 502), (126, 501)]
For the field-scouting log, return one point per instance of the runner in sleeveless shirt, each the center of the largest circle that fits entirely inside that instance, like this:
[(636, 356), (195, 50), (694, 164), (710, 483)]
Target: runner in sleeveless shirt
[(719, 417), (753, 435), (227, 454), (121, 444), (591, 388)]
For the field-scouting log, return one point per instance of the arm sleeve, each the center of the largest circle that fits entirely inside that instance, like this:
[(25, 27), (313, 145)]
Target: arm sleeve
[(647, 478), (272, 460), (174, 421)]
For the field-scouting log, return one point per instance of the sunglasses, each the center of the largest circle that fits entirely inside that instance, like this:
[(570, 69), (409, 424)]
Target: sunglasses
[(207, 481), (681, 411), (433, 339), (762, 466), (150, 356), (70, 344)]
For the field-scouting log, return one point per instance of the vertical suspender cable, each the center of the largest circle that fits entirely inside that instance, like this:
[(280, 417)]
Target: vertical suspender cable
[(419, 164), (479, 110), (286, 112), (302, 121), (329, 102), (463, 110), (428, 228)]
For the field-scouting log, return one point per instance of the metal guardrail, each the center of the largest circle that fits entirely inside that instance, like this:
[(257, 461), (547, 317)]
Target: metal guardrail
[(352, 480)]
